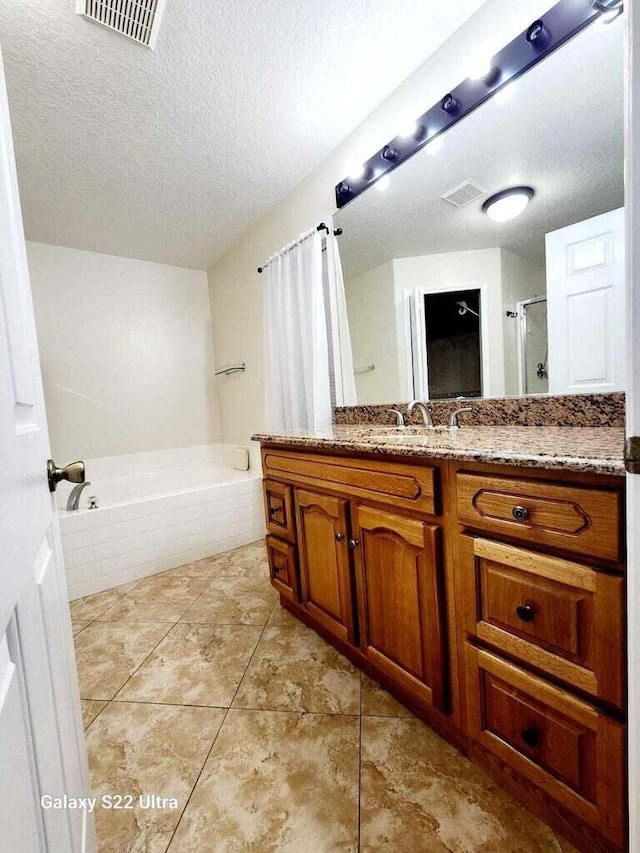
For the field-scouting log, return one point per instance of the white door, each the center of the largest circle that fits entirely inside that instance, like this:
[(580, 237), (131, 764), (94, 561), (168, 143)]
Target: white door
[(586, 305), (42, 750)]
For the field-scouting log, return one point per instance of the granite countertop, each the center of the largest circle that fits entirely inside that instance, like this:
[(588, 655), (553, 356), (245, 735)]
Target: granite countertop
[(598, 450)]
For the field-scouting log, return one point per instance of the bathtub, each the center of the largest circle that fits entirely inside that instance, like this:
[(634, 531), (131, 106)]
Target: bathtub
[(158, 510)]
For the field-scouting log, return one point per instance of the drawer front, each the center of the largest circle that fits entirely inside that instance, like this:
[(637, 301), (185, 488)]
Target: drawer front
[(573, 751), (573, 518), (283, 567), (561, 617), (278, 506), (396, 484)]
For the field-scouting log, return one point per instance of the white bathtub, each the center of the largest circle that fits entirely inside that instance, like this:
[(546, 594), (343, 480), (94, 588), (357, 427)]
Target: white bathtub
[(156, 511)]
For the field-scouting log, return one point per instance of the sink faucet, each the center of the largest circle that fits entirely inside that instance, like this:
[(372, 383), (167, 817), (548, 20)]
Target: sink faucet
[(73, 501), (453, 420), (399, 417), (425, 409)]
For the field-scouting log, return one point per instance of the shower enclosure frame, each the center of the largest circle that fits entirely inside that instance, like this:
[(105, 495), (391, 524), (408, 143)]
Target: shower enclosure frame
[(522, 341)]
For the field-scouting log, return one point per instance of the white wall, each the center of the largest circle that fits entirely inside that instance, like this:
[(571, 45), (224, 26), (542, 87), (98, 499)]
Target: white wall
[(235, 287), (126, 349), (371, 310)]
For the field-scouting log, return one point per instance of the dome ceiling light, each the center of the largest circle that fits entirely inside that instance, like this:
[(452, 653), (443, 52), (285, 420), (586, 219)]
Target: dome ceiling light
[(507, 204)]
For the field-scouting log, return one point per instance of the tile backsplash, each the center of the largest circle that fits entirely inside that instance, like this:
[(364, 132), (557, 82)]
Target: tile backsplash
[(581, 410)]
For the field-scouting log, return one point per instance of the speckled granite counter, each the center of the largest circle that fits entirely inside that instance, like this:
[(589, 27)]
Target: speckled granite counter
[(598, 450)]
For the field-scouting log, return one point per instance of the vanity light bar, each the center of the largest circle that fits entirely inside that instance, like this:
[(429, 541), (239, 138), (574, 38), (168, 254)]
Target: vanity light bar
[(541, 38)]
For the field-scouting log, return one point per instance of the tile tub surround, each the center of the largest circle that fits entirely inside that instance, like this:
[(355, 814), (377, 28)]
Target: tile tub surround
[(343, 768), (571, 410), (110, 546), (598, 450)]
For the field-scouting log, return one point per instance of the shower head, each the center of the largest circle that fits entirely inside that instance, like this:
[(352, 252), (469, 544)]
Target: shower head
[(464, 308)]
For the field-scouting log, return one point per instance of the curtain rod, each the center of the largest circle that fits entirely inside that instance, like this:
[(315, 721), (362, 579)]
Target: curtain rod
[(321, 227)]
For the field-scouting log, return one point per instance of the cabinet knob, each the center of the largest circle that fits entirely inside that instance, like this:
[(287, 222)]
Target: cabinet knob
[(520, 513), (353, 543), (274, 510), (525, 612), (276, 570), (530, 736), (339, 537)]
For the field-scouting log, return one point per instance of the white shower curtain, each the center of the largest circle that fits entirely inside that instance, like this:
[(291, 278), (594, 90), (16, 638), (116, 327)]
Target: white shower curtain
[(298, 393), (345, 381)]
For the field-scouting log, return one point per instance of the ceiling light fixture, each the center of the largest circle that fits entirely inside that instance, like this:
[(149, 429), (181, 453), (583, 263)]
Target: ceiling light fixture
[(507, 204)]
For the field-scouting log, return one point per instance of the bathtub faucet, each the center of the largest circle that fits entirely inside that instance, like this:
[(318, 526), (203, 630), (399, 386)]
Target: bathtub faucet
[(74, 496)]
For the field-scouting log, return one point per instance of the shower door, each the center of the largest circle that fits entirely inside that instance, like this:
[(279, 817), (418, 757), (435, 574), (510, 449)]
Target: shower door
[(534, 354)]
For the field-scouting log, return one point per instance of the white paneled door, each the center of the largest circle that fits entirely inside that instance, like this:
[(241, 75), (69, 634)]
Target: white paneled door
[(586, 305), (42, 752)]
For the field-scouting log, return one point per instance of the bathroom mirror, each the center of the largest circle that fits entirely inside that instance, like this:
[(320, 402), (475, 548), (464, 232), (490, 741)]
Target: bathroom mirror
[(445, 302)]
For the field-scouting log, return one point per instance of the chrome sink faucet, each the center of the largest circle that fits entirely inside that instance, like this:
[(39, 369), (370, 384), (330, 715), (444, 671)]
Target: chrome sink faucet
[(73, 501), (399, 417), (425, 410), (453, 420)]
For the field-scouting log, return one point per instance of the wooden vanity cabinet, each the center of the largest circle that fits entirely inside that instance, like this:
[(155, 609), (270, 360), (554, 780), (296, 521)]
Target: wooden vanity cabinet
[(489, 598)]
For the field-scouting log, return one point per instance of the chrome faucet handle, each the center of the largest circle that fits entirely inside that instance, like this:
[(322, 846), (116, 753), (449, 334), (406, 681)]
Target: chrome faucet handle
[(425, 410), (399, 417), (453, 419)]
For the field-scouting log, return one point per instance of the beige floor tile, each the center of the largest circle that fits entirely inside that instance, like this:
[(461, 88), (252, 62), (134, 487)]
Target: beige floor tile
[(295, 670), (92, 606), (160, 598), (276, 783), (377, 702), (248, 561), (195, 665), (107, 653), (142, 750), (222, 606), (419, 794), (90, 710), (78, 625), (280, 616)]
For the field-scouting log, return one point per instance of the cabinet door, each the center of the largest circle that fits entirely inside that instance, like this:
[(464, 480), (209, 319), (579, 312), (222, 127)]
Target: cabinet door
[(399, 584), (327, 585)]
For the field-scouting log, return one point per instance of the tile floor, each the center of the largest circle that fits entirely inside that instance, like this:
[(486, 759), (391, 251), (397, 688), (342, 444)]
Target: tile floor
[(197, 686)]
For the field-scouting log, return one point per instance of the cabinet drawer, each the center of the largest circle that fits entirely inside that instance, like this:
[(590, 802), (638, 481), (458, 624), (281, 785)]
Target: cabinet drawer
[(278, 505), (283, 567), (395, 483), (573, 518), (565, 746), (559, 616)]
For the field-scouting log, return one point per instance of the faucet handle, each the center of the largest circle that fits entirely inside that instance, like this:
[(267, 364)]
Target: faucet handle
[(399, 417), (453, 419)]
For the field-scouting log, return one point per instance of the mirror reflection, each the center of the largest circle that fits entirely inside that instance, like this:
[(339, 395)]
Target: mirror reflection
[(449, 295)]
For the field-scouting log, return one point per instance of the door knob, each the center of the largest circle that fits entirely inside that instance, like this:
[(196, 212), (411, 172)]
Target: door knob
[(73, 472)]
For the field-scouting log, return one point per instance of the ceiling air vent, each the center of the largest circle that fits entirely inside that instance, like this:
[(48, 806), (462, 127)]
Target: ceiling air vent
[(137, 19), (464, 193)]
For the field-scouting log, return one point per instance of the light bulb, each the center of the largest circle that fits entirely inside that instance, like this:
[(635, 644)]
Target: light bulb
[(435, 145), (382, 183), (481, 69), (355, 170), (408, 127)]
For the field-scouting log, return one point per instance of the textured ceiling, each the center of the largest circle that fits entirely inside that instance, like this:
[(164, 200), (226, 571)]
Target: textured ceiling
[(170, 155), (561, 133)]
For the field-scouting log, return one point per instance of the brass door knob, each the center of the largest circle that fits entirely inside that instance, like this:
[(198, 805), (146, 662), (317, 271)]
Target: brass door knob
[(73, 472)]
